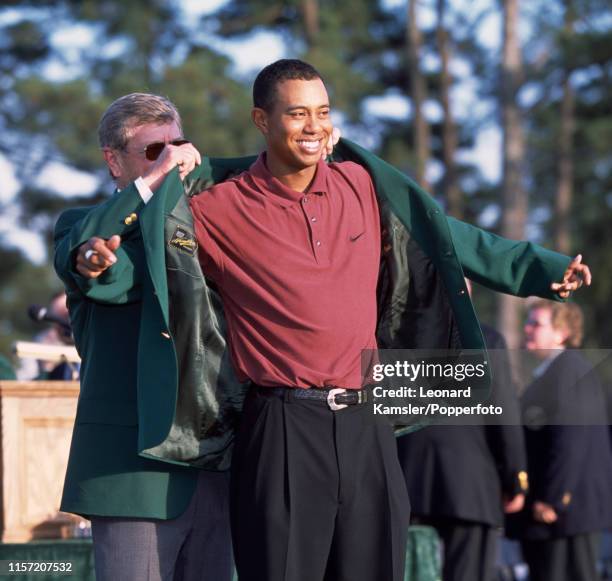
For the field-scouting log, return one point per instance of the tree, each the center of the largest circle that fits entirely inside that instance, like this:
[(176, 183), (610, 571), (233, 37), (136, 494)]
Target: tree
[(514, 195), (418, 94), (569, 132), (565, 184), (450, 185)]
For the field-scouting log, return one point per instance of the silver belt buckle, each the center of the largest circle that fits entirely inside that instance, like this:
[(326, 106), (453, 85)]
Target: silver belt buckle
[(331, 399)]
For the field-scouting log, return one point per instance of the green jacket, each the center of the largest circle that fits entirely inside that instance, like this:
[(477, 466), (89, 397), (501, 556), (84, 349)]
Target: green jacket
[(156, 381)]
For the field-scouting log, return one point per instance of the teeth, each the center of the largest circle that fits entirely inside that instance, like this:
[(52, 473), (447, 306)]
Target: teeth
[(312, 145)]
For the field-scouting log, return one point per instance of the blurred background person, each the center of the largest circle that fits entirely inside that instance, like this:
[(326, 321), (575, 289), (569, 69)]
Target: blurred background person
[(57, 332), (462, 479), (568, 451)]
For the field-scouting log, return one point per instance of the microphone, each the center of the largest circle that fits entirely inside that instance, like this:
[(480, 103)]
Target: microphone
[(39, 314)]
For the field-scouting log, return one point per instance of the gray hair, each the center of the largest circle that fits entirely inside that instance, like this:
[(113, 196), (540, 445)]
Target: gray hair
[(131, 111)]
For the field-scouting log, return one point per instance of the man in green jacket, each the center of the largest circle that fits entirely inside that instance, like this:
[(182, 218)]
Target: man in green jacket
[(187, 394), (150, 520)]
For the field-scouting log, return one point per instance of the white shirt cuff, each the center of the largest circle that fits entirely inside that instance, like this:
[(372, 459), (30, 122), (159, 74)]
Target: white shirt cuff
[(143, 189)]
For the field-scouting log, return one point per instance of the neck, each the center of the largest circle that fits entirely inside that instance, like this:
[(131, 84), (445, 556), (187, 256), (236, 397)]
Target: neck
[(297, 180), (551, 353)]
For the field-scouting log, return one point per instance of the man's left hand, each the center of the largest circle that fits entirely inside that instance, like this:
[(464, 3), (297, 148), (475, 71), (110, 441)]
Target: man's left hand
[(333, 139), (575, 275), (543, 512)]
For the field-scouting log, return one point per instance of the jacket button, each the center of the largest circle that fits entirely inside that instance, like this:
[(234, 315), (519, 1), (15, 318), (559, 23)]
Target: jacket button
[(130, 219), (461, 292), (165, 334), (523, 479)]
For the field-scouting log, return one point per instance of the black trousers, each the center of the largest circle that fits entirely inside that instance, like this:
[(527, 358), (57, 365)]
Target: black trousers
[(469, 548), (565, 559), (316, 495)]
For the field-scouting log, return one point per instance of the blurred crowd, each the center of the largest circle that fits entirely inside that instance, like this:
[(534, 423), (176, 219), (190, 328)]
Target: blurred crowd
[(531, 500)]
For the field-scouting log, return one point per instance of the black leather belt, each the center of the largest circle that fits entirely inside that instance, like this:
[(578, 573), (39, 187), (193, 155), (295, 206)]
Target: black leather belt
[(337, 398)]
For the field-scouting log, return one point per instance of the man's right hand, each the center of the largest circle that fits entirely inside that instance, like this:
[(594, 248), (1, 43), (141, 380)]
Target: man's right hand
[(514, 504), (185, 156), (96, 255)]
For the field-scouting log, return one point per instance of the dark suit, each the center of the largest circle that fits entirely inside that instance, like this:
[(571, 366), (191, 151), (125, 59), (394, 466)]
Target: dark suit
[(570, 468), (457, 475)]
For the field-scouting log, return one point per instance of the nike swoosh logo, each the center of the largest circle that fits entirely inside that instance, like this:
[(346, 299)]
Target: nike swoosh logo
[(356, 237)]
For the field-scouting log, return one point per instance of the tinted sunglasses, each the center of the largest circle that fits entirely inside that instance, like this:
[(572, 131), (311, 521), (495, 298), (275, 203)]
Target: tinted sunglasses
[(153, 150)]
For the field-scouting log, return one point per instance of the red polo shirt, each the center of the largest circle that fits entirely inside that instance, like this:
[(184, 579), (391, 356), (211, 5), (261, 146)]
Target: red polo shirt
[(297, 272)]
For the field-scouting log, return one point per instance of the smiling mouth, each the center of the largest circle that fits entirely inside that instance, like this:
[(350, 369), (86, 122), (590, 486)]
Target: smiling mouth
[(309, 146)]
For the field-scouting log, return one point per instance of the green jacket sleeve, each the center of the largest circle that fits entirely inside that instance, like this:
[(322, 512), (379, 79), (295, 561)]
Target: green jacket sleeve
[(121, 283), (517, 268)]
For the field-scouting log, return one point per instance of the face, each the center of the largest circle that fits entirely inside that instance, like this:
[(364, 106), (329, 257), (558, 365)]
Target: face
[(131, 163), (298, 126), (540, 334)]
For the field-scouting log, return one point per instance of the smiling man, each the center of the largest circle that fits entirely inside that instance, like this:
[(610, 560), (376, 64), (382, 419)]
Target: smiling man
[(294, 248)]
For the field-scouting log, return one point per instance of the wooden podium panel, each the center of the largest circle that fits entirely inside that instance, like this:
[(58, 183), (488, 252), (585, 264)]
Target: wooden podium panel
[(35, 429)]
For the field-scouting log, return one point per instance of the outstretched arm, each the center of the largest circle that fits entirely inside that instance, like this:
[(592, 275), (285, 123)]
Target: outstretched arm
[(516, 267)]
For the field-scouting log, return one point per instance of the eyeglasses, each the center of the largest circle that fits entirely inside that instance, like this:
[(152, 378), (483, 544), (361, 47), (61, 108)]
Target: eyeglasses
[(153, 150), (535, 324)]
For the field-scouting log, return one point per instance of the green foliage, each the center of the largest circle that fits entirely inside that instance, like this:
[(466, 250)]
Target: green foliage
[(27, 43), (66, 132), (585, 53), (344, 46), (22, 285), (214, 108)]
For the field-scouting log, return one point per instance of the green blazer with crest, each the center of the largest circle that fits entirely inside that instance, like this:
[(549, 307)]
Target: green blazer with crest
[(158, 394)]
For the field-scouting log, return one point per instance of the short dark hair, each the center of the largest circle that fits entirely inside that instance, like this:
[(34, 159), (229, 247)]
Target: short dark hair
[(264, 88)]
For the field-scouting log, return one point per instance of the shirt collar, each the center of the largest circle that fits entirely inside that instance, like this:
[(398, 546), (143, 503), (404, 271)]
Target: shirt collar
[(271, 186), (543, 367)]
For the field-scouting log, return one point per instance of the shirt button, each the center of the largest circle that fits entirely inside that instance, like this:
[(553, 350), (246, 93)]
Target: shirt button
[(318, 243), (313, 219), (304, 200)]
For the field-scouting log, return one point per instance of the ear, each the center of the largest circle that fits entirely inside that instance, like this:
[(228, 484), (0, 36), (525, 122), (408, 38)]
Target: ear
[(260, 118), (113, 161), (561, 336)]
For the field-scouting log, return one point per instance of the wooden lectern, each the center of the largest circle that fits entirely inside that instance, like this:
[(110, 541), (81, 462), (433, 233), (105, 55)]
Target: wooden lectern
[(35, 429)]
